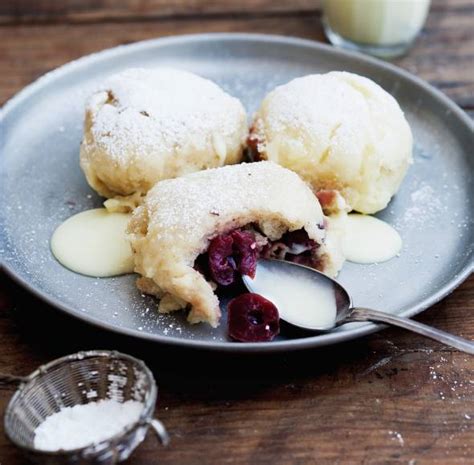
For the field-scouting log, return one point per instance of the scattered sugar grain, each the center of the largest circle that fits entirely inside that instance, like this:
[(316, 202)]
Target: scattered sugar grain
[(397, 436)]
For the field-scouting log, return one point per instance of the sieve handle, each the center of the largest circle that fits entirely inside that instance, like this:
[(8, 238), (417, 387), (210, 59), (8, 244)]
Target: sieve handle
[(12, 379), (160, 431)]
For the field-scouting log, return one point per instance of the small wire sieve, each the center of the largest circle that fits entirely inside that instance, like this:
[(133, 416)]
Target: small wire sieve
[(79, 379)]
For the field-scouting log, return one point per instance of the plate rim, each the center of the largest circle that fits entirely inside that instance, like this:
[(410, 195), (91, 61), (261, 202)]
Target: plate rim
[(228, 346)]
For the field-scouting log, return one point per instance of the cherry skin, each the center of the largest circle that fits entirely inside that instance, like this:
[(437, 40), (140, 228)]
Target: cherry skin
[(252, 318), (231, 253), (221, 264), (245, 252)]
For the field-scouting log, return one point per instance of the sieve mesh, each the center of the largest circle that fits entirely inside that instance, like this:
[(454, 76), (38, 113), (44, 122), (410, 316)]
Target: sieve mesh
[(79, 379)]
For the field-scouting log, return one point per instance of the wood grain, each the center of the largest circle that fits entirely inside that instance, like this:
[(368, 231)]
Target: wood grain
[(34, 11), (28, 11), (443, 54), (41, 11), (387, 399), (392, 398)]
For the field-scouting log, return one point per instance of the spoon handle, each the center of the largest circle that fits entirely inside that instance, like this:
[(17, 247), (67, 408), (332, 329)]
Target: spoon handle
[(365, 314)]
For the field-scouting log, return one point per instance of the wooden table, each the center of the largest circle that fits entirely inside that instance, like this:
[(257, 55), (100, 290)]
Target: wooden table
[(391, 398)]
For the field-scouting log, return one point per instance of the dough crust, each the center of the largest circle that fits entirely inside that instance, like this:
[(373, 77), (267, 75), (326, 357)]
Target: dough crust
[(145, 125), (337, 131)]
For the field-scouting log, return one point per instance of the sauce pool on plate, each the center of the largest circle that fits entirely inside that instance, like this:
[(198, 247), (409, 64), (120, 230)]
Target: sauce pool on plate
[(366, 239), (94, 243)]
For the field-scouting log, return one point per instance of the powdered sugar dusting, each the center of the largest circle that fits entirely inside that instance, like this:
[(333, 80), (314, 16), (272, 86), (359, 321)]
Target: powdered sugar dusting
[(42, 159), (425, 206), (319, 104), (292, 105), (181, 205), (160, 109), (179, 217), (337, 130)]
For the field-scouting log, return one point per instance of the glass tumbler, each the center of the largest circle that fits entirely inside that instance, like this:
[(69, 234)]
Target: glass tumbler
[(384, 28)]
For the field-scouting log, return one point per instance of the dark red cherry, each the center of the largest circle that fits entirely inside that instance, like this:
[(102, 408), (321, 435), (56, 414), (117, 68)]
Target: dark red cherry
[(221, 264), (252, 318), (228, 253), (245, 252), (299, 239)]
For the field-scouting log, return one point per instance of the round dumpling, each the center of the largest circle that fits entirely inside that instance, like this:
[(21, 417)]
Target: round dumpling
[(337, 131), (145, 125)]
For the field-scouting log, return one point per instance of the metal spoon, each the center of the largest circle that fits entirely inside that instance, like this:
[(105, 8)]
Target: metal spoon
[(345, 312)]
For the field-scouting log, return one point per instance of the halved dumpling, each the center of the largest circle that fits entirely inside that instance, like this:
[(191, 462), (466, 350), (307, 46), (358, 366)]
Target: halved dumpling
[(204, 229)]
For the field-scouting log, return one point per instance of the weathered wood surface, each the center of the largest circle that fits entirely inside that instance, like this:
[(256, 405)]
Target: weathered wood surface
[(389, 399), (34, 11), (28, 11), (443, 54)]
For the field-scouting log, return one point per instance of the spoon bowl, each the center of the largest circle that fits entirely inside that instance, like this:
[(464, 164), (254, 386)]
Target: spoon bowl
[(311, 300), (271, 280)]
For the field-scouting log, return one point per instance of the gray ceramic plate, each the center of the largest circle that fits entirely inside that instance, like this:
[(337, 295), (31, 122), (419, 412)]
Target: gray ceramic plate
[(42, 184)]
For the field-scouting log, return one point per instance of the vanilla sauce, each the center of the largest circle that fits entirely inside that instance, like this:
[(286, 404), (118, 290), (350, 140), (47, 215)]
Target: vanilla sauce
[(94, 243)]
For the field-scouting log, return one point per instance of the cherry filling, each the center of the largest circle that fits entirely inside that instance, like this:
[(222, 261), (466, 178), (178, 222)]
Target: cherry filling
[(252, 147), (252, 318), (293, 246), (236, 253), (230, 254)]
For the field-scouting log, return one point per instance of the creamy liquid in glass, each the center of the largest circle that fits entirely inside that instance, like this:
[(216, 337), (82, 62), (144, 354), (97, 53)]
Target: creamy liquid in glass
[(94, 243), (300, 300), (366, 239), (376, 22)]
